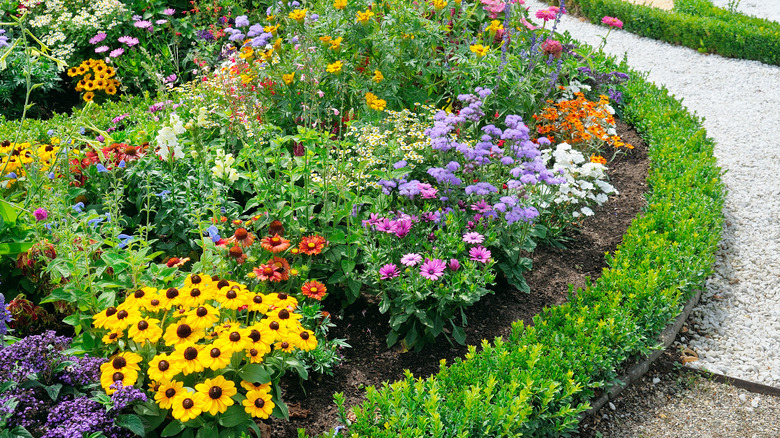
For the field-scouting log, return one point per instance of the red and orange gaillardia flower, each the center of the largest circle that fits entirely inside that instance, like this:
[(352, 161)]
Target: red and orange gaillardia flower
[(312, 245), (275, 243), (314, 289), (242, 237)]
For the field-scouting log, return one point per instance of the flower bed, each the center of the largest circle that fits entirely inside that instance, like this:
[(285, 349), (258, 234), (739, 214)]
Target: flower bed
[(693, 23), (193, 240)]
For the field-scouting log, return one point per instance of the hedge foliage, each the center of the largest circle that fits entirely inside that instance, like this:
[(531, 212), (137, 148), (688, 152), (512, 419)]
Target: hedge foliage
[(693, 23), (538, 380)]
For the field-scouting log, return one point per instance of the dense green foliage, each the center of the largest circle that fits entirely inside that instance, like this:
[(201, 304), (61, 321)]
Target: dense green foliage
[(693, 23), (538, 381)]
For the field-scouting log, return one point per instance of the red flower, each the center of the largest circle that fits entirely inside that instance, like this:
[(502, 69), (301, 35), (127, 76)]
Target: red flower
[(274, 243), (314, 289), (237, 253), (267, 272), (312, 245)]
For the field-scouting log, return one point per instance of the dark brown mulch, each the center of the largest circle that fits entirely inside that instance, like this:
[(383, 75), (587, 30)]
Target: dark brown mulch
[(370, 362)]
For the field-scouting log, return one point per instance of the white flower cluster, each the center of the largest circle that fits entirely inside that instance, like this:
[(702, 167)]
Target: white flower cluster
[(223, 167), (586, 182), (167, 140)]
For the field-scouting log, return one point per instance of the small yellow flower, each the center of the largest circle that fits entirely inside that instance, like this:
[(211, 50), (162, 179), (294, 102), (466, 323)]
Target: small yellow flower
[(339, 4), (187, 405), (479, 49), (374, 102), (298, 15), (166, 392), (335, 68), (336, 44), (288, 79), (88, 96), (258, 404), (271, 29), (439, 4), (378, 76), (363, 17), (494, 27)]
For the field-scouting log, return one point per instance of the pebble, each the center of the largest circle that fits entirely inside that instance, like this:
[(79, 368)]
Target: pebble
[(612, 406)]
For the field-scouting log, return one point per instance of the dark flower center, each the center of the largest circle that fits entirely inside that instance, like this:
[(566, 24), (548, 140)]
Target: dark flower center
[(259, 403), (110, 311), (285, 345), (170, 392), (172, 293), (118, 377), (139, 293), (282, 296), (119, 363), (215, 352), (254, 335), (232, 294), (155, 302), (163, 365), (183, 331), (191, 353), (113, 335), (122, 314), (143, 325), (236, 252), (235, 337), (187, 403), (215, 392), (215, 278), (253, 352), (195, 279), (274, 325), (258, 299), (241, 234), (195, 292), (222, 283), (284, 314), (202, 311), (305, 335)]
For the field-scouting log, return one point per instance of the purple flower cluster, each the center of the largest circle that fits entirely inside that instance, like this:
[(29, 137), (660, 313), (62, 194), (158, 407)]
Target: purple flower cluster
[(444, 124), (32, 355), (5, 316), (81, 416), (82, 371), (125, 396), (400, 226)]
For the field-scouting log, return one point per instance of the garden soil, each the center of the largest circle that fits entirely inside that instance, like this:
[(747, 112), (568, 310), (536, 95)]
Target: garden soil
[(370, 362)]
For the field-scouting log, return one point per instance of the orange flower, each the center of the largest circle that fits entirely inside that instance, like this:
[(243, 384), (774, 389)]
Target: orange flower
[(281, 265), (312, 245), (275, 243), (242, 237), (314, 289), (598, 159), (238, 254), (267, 272)]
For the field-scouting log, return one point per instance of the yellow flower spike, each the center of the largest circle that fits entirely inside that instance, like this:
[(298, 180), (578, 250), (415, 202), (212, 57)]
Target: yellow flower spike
[(187, 406), (258, 404), (167, 392), (217, 393)]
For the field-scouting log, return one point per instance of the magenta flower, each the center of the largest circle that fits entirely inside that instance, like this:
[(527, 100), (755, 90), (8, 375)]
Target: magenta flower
[(160, 21), (97, 38), (411, 259), (545, 14), (101, 49), (130, 41), (143, 24), (479, 254), (454, 265), (40, 214), (612, 22), (473, 238), (432, 269), (402, 227), (389, 271), (116, 52), (169, 11)]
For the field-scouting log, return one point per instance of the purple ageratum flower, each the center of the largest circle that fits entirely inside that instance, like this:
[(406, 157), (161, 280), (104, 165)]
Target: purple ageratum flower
[(409, 189), (41, 214), (143, 24), (473, 238), (261, 40), (483, 92), (242, 21), (389, 271), (399, 164), (411, 259), (432, 269), (254, 30), (97, 38), (481, 188), (101, 49), (169, 11), (454, 265), (479, 254), (116, 52)]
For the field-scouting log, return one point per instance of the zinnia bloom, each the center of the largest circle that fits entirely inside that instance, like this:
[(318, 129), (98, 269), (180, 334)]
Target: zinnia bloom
[(545, 14), (216, 394), (612, 22), (312, 245), (389, 271), (314, 289), (479, 254), (411, 259), (432, 269), (274, 243)]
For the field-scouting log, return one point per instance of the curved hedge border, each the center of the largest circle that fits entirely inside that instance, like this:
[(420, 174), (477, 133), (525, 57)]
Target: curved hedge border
[(697, 24), (539, 380)]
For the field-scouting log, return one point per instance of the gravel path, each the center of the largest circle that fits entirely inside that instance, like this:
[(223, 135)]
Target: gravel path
[(736, 327), (757, 8)]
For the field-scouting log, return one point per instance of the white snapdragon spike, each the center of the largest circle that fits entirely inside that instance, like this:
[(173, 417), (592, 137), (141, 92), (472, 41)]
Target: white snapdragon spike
[(223, 167), (202, 120), (167, 140)]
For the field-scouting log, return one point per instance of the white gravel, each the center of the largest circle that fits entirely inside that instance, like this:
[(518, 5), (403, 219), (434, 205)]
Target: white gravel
[(769, 9), (736, 327)]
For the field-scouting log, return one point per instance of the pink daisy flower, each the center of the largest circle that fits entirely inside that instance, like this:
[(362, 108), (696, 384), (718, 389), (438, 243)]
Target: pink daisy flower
[(130, 41), (97, 38), (389, 271), (101, 49), (169, 11), (116, 52), (432, 269), (545, 14), (613, 22), (479, 254), (473, 238), (411, 259), (143, 24)]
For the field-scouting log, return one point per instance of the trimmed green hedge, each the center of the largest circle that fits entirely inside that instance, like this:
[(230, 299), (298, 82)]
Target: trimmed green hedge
[(538, 380), (693, 23)]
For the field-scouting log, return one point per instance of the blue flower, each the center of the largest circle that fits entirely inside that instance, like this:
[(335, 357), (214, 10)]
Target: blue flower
[(213, 233), (122, 164), (11, 175), (82, 131), (101, 168), (124, 239), (94, 222), (163, 194), (51, 175), (78, 207), (50, 132)]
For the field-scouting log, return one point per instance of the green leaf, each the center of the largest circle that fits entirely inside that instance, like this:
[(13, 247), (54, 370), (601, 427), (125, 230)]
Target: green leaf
[(255, 373), (132, 423), (207, 431), (53, 391), (458, 334), (20, 432), (233, 416), (14, 248), (173, 428)]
